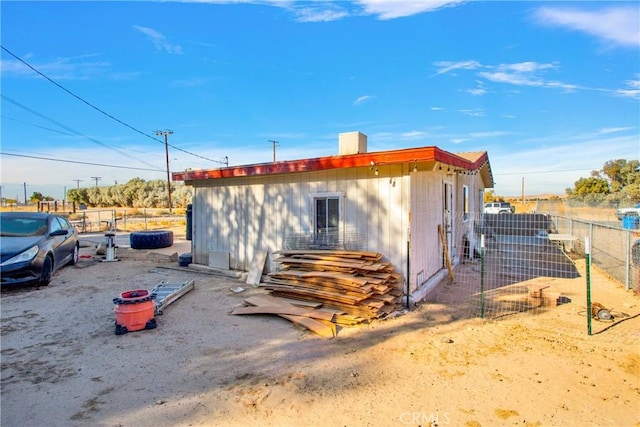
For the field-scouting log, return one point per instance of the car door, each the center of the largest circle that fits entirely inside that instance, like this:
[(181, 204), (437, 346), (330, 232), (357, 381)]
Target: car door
[(61, 245)]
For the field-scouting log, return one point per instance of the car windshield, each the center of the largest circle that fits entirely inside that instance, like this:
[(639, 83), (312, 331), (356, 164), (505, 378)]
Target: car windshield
[(22, 227)]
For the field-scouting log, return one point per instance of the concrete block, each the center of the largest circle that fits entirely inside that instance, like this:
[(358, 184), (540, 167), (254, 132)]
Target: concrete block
[(219, 260)]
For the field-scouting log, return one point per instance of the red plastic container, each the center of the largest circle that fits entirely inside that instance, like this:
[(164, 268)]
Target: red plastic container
[(134, 311)]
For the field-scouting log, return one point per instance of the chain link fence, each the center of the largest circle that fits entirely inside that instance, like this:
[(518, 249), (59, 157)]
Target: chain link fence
[(532, 263), (614, 249)]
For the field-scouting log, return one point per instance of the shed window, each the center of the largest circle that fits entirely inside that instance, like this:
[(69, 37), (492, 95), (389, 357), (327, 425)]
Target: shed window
[(326, 218)]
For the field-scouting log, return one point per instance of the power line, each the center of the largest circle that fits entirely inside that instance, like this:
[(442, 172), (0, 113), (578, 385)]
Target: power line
[(78, 162), (65, 133), (37, 126), (75, 132), (97, 108)]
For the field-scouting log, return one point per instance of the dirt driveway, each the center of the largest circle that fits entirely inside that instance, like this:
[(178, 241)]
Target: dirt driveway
[(62, 364)]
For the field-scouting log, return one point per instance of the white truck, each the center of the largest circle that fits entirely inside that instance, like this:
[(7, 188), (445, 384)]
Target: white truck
[(498, 208)]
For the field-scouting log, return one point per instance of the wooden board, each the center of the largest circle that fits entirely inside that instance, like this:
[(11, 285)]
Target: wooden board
[(284, 309), (445, 249), (358, 286), (256, 268), (314, 325)]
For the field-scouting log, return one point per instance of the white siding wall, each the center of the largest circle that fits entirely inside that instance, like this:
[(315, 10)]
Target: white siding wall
[(426, 215), (243, 216)]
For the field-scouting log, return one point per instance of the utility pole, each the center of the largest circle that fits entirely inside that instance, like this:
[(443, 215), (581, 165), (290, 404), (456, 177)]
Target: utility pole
[(78, 181), (25, 193), (274, 143), (96, 178), (166, 134)]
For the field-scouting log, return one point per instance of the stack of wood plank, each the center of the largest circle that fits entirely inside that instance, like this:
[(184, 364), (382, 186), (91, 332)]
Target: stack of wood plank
[(357, 286)]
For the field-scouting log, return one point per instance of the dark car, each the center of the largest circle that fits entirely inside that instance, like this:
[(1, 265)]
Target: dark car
[(35, 245)]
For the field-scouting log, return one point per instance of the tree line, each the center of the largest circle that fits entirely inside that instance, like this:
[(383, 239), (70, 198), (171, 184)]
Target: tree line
[(616, 184), (136, 193)]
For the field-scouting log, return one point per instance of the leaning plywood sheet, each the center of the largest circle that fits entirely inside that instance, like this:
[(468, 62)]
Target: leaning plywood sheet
[(256, 268)]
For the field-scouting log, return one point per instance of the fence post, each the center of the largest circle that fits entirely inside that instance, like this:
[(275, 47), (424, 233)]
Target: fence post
[(587, 258), (571, 233), (627, 261), (408, 273), (482, 253)]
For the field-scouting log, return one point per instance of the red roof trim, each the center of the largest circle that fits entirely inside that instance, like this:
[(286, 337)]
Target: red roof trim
[(424, 154)]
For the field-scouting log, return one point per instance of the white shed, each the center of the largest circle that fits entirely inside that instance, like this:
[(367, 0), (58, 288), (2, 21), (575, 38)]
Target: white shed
[(391, 202)]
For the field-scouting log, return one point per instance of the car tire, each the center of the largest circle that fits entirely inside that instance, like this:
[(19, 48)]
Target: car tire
[(47, 271), (153, 239), (75, 255), (185, 259)]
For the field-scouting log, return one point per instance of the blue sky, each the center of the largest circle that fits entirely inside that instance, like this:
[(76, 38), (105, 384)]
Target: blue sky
[(550, 89)]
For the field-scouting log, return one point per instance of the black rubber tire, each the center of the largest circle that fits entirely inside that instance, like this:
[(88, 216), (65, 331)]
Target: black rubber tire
[(47, 271), (185, 259), (153, 239), (75, 255)]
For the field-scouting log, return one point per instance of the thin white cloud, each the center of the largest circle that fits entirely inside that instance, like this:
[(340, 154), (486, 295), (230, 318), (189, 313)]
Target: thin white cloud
[(632, 90), (490, 134), (159, 40), (72, 68), (414, 134), (477, 91), (445, 67), (316, 14), (190, 82), (614, 130), (391, 9), (361, 100), (616, 24), (526, 67), (325, 11), (472, 112), (511, 78), (526, 74)]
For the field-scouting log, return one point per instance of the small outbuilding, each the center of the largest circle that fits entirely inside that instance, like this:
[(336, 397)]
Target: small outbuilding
[(415, 206)]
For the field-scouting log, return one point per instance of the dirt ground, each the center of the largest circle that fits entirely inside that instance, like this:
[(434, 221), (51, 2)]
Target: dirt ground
[(62, 364)]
